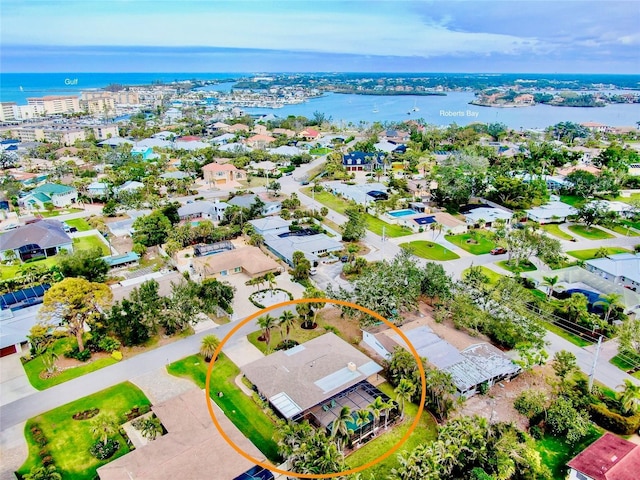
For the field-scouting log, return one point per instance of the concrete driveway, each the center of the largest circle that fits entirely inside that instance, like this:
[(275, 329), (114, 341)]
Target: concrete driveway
[(14, 384)]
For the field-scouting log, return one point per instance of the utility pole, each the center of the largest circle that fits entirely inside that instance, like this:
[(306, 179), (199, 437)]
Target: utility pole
[(595, 362), (383, 232)]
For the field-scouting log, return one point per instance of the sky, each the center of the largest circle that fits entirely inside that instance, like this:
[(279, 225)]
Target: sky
[(538, 36)]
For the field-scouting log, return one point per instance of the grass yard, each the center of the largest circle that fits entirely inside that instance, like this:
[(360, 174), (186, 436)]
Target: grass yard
[(320, 151), (69, 440), (555, 452), (554, 229), (34, 367), (56, 213), (525, 266), (336, 204), (10, 271), (575, 339), (624, 230), (376, 225), (494, 277), (631, 224), (297, 333), (429, 250), (484, 245), (626, 363), (590, 253), (86, 243), (80, 223), (593, 233), (239, 408), (573, 200), (427, 430)]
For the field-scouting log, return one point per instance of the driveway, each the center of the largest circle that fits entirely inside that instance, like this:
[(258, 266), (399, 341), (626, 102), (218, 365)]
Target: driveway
[(13, 380)]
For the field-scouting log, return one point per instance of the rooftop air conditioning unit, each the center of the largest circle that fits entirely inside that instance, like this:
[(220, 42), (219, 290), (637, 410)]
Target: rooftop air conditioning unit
[(351, 366)]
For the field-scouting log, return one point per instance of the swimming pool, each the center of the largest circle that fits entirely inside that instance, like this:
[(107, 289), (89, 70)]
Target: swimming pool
[(402, 213)]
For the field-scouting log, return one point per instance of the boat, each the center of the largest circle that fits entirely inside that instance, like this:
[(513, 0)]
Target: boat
[(375, 109), (415, 107)]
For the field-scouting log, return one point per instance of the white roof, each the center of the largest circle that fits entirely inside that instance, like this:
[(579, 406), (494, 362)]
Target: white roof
[(552, 209), (286, 150), (385, 146), (612, 206), (487, 214), (620, 265)]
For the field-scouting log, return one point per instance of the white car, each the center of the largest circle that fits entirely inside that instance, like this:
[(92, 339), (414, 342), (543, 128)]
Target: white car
[(313, 271)]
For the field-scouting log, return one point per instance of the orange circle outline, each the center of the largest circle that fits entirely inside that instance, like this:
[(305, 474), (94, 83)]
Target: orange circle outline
[(270, 467)]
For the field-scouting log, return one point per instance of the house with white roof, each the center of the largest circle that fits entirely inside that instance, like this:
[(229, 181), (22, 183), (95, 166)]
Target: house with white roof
[(311, 244), (487, 215), (622, 269), (271, 225), (552, 212), (98, 189), (129, 186), (620, 208)]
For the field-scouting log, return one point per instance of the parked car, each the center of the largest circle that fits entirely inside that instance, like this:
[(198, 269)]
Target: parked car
[(313, 271), (498, 251), (344, 259)]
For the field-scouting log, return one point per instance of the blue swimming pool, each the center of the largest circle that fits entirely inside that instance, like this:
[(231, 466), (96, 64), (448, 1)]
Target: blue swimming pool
[(402, 213)]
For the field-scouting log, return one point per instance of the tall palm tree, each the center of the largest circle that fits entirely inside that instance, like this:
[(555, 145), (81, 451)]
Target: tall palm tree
[(340, 427), (270, 278), (609, 301), (208, 346), (550, 283), (629, 397), (103, 426), (376, 407), (362, 418), (404, 392), (436, 227), (266, 323), (286, 322)]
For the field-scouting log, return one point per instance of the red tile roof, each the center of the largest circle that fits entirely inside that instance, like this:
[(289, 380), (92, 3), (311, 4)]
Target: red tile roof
[(189, 138), (215, 167), (626, 469), (600, 459)]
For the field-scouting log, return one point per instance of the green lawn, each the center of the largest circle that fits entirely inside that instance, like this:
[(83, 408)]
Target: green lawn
[(633, 196), (593, 233), (575, 339), (80, 223), (86, 243), (525, 266), (320, 151), (625, 364), (427, 430), (556, 452), (624, 230), (336, 204), (554, 229), (34, 367), (297, 333), (429, 250), (631, 224), (484, 245), (69, 440), (238, 407), (572, 200), (376, 225), (494, 277), (10, 271), (590, 253), (56, 213)]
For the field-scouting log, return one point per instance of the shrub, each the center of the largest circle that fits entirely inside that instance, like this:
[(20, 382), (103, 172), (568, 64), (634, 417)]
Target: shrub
[(536, 432), (612, 421), (47, 460), (109, 344), (74, 352), (102, 451), (117, 355)]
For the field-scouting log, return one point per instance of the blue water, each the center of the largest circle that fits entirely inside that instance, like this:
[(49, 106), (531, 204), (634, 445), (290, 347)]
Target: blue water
[(402, 213), (340, 108), (40, 84)]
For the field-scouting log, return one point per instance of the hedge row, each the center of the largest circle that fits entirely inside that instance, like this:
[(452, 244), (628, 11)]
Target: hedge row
[(614, 422)]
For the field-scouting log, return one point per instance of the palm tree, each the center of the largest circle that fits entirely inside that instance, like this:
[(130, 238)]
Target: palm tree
[(270, 278), (266, 323), (376, 407), (550, 283), (103, 426), (340, 426), (362, 418), (286, 322), (609, 301), (436, 227), (404, 392), (208, 346), (629, 397)]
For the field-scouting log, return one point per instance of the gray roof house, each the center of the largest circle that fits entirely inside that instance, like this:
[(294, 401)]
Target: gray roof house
[(622, 269), (283, 245), (304, 376), (203, 209), (42, 238), (271, 225), (246, 201), (469, 368)]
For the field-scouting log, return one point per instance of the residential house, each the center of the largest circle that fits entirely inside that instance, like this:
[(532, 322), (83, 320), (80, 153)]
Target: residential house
[(259, 129), (552, 212), (450, 224), (312, 245), (259, 141), (608, 458), (621, 269), (266, 167), (362, 194), (286, 150), (42, 238), (274, 225), (191, 446), (58, 195), (223, 139), (598, 127), (362, 161), (98, 189), (284, 131), (246, 201), (219, 126), (237, 127), (176, 175), (248, 260), (309, 134), (144, 152), (469, 368), (396, 136), (115, 142), (485, 215), (234, 148), (128, 186), (203, 209), (225, 175), (622, 209), (312, 381), (554, 183)]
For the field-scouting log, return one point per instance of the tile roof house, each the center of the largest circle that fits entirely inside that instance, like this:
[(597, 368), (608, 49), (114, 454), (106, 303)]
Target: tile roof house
[(237, 127), (58, 195), (309, 134), (38, 239), (259, 141), (225, 175), (608, 458), (192, 447), (248, 260)]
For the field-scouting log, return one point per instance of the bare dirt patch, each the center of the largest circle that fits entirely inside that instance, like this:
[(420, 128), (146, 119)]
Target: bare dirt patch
[(348, 327), (497, 404)]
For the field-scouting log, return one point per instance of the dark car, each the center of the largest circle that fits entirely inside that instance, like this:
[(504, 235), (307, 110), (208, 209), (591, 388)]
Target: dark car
[(498, 251), (344, 259)]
